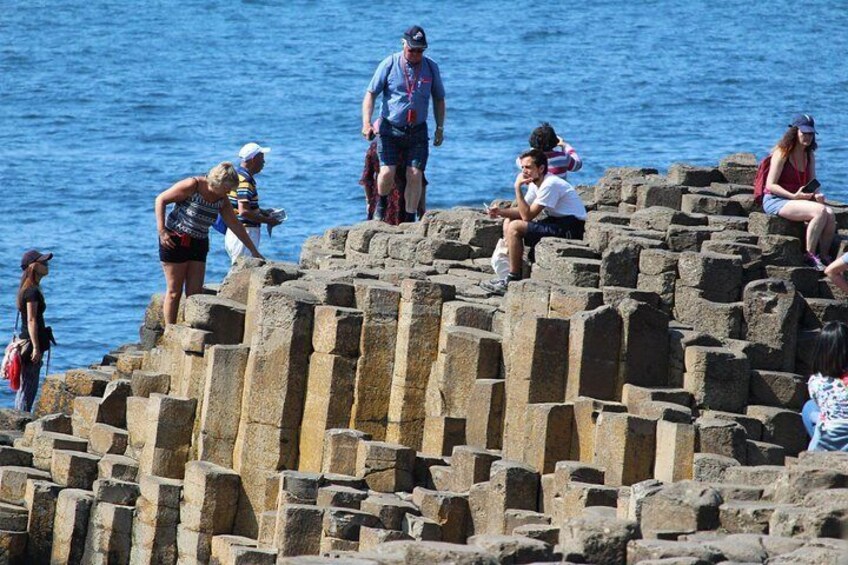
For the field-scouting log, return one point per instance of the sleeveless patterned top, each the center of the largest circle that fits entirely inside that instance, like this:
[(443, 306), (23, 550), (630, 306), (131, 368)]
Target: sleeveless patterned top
[(194, 215)]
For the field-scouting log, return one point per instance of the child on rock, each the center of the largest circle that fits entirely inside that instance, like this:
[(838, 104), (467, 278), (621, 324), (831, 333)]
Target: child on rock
[(829, 390)]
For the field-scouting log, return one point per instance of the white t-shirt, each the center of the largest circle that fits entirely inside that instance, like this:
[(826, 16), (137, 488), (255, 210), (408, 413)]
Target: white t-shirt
[(557, 196)]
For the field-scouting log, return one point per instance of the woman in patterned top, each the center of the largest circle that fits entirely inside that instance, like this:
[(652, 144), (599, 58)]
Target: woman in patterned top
[(184, 235), (829, 389)]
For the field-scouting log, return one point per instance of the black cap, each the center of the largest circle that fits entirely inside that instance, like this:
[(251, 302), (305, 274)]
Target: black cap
[(32, 256), (415, 37), (804, 122)]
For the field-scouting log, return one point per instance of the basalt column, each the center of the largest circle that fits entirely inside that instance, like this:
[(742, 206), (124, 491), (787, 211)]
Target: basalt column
[(379, 303), (538, 351), (417, 347), (332, 373), (273, 397)]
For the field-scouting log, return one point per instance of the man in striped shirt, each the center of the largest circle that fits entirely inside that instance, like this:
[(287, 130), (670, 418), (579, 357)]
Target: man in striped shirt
[(245, 201)]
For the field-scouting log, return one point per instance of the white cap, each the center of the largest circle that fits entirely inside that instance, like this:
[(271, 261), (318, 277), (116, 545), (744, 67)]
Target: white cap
[(250, 150)]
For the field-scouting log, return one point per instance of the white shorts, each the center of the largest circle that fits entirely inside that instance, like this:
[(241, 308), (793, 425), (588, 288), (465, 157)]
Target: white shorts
[(235, 248)]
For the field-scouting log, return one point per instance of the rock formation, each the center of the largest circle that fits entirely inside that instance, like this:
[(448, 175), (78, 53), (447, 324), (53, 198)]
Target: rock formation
[(634, 400)]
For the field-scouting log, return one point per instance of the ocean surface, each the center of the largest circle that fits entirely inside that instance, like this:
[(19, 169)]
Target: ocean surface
[(103, 104)]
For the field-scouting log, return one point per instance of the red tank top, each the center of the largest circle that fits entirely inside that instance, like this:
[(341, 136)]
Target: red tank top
[(790, 178)]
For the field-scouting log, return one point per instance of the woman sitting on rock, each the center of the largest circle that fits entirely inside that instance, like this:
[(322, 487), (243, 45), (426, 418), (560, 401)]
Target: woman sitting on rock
[(184, 235), (827, 410), (793, 165)]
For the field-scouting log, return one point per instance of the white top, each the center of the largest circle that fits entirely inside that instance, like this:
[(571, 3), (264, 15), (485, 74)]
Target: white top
[(557, 196)]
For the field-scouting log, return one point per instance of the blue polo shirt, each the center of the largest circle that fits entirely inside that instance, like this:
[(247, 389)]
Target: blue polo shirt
[(389, 80)]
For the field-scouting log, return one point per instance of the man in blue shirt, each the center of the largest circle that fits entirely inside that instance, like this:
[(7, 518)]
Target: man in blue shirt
[(406, 80)]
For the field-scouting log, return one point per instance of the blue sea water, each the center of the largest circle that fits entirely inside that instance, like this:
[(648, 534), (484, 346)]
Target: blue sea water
[(104, 103)]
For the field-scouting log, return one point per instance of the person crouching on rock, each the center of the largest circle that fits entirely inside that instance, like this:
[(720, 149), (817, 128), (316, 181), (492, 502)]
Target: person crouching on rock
[(793, 165), (38, 336), (826, 413), (184, 235), (566, 214)]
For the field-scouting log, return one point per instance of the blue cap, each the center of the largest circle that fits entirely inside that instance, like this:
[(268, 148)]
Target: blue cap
[(804, 122)]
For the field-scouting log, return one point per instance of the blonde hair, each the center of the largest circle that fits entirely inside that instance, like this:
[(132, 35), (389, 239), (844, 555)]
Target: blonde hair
[(223, 175)]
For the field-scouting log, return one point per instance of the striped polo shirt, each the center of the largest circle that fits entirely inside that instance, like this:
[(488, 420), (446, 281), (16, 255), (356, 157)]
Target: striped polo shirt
[(245, 192)]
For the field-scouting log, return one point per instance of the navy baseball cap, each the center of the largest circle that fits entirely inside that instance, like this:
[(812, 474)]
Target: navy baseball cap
[(804, 122), (415, 37), (34, 256)]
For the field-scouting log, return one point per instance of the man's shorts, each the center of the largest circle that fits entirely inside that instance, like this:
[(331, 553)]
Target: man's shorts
[(565, 227), (412, 141), (187, 249)]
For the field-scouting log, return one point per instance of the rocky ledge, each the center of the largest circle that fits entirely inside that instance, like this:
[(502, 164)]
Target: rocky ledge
[(634, 400)]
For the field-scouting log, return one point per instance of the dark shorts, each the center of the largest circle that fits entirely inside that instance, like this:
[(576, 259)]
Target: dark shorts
[(413, 141), (187, 249), (566, 227)]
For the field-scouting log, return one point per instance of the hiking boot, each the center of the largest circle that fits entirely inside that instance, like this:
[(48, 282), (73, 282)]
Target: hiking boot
[(380, 211), (495, 286), (813, 261)]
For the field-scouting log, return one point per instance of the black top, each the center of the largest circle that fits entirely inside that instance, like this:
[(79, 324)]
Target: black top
[(33, 294)]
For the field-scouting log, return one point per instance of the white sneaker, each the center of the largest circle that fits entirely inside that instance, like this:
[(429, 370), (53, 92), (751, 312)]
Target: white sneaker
[(495, 286)]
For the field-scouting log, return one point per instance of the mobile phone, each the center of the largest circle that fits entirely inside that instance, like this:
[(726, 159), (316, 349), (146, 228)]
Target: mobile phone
[(811, 186)]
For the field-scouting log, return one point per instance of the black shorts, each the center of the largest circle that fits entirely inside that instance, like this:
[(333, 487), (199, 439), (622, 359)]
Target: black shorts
[(187, 249), (565, 227)]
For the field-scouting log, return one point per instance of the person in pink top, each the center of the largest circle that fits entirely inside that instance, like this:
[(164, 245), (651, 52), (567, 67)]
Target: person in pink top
[(793, 165)]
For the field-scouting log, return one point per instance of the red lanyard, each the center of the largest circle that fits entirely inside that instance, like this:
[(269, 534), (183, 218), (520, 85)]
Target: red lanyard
[(411, 86)]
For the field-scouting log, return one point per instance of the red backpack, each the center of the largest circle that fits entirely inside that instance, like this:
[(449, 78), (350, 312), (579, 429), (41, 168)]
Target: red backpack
[(11, 366), (760, 179)]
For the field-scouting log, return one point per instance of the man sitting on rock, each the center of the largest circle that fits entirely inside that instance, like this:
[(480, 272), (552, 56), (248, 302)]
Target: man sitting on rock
[(564, 217)]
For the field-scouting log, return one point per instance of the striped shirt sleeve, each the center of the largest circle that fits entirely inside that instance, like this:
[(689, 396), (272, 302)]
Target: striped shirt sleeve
[(575, 162)]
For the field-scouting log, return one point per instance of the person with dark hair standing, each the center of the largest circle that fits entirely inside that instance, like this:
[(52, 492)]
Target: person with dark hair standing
[(546, 192), (31, 305), (407, 81), (826, 413), (793, 165), (562, 158)]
